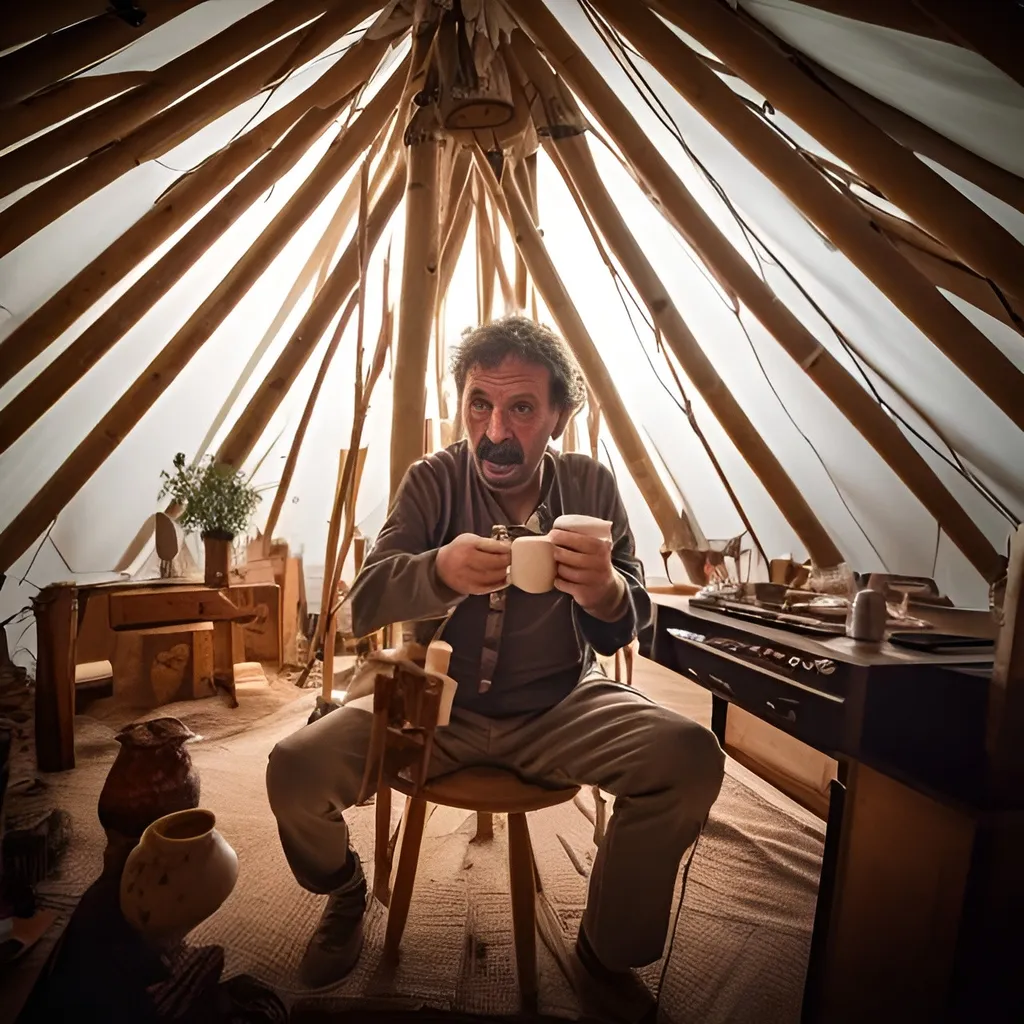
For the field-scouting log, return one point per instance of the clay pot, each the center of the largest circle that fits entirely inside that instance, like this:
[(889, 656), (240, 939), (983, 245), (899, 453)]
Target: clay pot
[(151, 776), (179, 874), (217, 563)]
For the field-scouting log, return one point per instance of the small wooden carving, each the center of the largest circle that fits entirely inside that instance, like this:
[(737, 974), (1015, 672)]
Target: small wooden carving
[(158, 666)]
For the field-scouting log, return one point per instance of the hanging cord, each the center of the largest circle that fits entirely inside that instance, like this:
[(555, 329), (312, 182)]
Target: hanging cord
[(686, 408), (953, 459), (270, 92), (691, 416)]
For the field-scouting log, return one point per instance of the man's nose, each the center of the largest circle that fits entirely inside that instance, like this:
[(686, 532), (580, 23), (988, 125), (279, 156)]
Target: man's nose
[(497, 428)]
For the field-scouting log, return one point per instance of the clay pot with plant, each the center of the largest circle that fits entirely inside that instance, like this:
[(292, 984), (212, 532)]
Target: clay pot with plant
[(216, 500)]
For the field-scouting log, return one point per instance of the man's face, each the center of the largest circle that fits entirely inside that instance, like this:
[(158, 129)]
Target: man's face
[(509, 420)]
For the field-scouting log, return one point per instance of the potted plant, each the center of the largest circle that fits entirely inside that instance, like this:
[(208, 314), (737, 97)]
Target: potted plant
[(217, 501)]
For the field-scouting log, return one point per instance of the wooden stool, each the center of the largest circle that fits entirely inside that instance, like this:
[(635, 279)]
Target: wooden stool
[(486, 791)]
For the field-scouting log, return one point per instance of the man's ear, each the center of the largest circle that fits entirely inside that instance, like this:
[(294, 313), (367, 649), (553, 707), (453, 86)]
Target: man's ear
[(561, 423)]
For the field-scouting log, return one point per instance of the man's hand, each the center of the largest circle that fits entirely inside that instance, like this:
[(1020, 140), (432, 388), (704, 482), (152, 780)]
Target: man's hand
[(474, 565), (586, 574)]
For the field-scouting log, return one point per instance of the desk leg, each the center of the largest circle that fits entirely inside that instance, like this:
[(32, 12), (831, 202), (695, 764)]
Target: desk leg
[(719, 711), (56, 613), (228, 651), (811, 1011), (896, 911)]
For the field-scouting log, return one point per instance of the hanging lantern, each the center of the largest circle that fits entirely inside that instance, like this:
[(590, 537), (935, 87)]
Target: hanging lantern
[(475, 91)]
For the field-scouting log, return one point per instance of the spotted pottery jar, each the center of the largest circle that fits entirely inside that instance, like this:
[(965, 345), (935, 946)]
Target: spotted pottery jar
[(179, 874)]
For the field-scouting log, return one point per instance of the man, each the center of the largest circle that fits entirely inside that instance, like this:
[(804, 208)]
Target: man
[(528, 697)]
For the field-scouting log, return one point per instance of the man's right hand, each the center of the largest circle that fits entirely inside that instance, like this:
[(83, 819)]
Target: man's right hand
[(474, 565)]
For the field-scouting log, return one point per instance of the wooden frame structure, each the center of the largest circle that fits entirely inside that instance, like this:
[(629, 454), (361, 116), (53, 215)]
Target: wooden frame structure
[(451, 138), (447, 160)]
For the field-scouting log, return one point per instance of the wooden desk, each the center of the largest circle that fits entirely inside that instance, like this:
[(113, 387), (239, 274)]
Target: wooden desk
[(920, 913), (78, 622)]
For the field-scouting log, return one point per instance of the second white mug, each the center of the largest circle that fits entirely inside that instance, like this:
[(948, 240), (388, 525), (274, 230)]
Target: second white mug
[(533, 564)]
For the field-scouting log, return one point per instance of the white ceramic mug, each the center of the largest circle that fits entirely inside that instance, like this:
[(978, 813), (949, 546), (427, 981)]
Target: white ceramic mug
[(589, 526), (533, 564)]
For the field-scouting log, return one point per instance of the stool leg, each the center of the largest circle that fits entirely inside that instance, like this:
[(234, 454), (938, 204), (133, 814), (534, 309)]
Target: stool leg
[(381, 845), (405, 876), (524, 910), (484, 826)]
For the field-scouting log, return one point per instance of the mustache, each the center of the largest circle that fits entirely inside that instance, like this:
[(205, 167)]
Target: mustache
[(504, 453)]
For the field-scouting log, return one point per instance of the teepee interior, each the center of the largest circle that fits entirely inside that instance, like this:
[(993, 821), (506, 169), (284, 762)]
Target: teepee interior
[(784, 241)]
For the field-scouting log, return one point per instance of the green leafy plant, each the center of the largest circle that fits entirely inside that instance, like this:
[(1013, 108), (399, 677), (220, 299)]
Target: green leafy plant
[(215, 499)]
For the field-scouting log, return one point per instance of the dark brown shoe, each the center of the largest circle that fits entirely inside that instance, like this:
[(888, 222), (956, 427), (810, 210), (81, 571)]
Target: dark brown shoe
[(337, 942), (609, 995)]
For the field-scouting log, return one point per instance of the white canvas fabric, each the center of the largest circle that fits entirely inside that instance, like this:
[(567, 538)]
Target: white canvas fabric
[(876, 522)]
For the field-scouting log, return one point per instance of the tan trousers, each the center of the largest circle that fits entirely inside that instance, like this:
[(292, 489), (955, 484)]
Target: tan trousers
[(664, 770)]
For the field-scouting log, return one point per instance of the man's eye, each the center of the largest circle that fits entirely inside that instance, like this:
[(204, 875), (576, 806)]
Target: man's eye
[(478, 405), (523, 408)]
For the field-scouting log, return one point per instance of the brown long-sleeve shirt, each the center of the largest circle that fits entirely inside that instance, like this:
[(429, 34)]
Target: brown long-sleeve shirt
[(513, 653)]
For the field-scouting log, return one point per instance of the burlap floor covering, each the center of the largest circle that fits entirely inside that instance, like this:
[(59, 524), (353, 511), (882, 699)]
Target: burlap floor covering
[(743, 935)]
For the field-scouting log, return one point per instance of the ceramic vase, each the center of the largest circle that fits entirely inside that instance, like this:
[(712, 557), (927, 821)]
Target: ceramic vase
[(217, 561), (180, 873), (152, 776)]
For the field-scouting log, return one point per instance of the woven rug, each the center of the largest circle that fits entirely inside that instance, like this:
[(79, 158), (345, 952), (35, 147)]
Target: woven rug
[(740, 949)]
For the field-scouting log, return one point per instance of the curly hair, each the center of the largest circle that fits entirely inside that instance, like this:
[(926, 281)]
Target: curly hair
[(490, 344)]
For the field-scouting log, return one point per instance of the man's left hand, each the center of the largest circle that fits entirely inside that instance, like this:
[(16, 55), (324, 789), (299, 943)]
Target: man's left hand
[(586, 574)]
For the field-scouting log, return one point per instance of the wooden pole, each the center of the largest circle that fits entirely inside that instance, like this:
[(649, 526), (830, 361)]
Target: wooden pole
[(941, 266), (318, 263), (486, 268), (53, 57), (922, 194), (525, 186), (300, 431), (72, 364), (319, 258), (1006, 689), (836, 217), (391, 142), (187, 197), (349, 483), (454, 241), (995, 30), (24, 22), (56, 379), (156, 135), (530, 163), (149, 140), (690, 219), (63, 101), (574, 159), (918, 137), (75, 140), (169, 362), (359, 419), (458, 195), (418, 295), (250, 425), (484, 218), (361, 181), (677, 532)]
